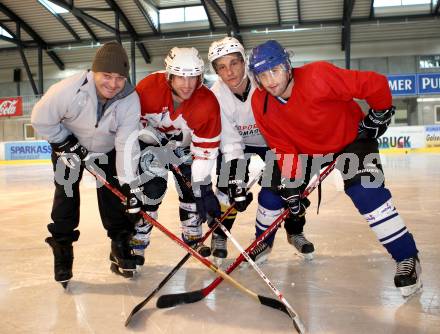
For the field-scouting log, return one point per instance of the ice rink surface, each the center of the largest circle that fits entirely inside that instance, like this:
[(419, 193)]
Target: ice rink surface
[(347, 289)]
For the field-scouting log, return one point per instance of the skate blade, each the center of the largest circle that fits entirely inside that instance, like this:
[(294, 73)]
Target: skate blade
[(64, 284), (262, 260), (308, 256), (115, 263), (409, 291), (122, 272), (218, 261)]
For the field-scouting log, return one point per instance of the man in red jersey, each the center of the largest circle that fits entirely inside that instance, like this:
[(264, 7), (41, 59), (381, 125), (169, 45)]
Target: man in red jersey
[(241, 139), (311, 111), (181, 127)]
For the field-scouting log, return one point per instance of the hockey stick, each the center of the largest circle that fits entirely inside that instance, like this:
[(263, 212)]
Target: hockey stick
[(270, 302), (288, 308), (171, 300), (290, 311), (139, 306)]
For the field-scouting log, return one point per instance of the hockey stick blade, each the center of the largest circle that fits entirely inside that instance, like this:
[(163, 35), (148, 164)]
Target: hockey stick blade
[(167, 301), (273, 303), (139, 306), (276, 304)]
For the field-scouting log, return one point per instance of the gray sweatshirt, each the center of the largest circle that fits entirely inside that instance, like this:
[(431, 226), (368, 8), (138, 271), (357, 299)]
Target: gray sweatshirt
[(71, 107)]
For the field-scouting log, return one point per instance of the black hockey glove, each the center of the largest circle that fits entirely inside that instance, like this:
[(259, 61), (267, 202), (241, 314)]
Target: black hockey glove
[(292, 197), (207, 203), (71, 152), (237, 194), (376, 122), (237, 191), (134, 200)]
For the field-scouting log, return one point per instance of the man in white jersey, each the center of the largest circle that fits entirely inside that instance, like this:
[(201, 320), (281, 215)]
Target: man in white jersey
[(240, 139)]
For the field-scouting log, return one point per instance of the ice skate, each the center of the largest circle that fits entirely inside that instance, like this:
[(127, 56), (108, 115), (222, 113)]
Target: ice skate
[(407, 277), (201, 248), (63, 260), (304, 246), (259, 254), (219, 248), (123, 260)]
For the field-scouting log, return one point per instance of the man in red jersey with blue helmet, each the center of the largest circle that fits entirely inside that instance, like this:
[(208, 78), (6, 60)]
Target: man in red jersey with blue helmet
[(311, 111)]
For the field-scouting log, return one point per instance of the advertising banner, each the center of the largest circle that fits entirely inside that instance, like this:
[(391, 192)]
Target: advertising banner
[(406, 137), (433, 136), (429, 83), (403, 84), (27, 150), (11, 106)]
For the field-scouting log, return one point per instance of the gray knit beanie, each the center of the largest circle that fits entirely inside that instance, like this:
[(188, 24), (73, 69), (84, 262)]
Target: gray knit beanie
[(112, 58)]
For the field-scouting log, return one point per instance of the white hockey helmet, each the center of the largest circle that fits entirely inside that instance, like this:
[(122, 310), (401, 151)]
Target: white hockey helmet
[(223, 47), (184, 62)]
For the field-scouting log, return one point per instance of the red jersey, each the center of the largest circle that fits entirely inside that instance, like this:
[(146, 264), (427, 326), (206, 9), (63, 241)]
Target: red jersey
[(321, 115), (199, 116)]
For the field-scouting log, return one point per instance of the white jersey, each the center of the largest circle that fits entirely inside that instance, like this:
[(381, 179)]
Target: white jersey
[(239, 128)]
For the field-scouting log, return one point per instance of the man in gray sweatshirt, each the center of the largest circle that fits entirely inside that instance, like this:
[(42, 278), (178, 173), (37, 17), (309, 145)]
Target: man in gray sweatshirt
[(91, 120)]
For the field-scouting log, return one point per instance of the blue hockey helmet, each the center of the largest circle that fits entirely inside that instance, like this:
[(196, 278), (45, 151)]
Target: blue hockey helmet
[(266, 56)]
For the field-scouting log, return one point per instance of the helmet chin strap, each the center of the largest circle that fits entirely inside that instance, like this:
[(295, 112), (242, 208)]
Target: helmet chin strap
[(241, 81), (288, 82)]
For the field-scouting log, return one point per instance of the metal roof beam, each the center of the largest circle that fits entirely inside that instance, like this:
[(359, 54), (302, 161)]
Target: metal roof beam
[(7, 39), (5, 10), (229, 19), (178, 6), (371, 16), (298, 9), (130, 28), (146, 16), (118, 32), (219, 11), (234, 27), (277, 4), (346, 31), (346, 22), (24, 60), (79, 13), (94, 9), (87, 28), (244, 29), (63, 22), (211, 23)]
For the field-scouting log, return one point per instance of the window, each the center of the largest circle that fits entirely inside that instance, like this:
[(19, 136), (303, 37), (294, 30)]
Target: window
[(152, 12), (182, 14), (400, 117), (172, 15), (437, 114), (3, 32), (54, 9), (29, 132), (426, 62), (391, 3), (196, 13), (401, 7)]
